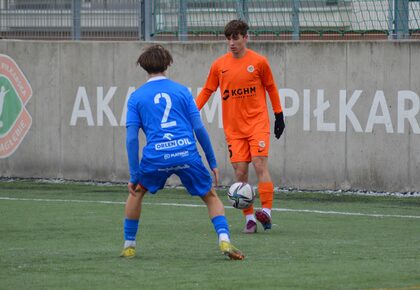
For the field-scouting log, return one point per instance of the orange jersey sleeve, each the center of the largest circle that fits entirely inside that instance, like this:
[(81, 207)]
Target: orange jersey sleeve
[(243, 84), (211, 85), (270, 86)]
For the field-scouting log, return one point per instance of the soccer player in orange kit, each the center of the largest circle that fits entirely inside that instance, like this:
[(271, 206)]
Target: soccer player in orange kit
[(244, 76)]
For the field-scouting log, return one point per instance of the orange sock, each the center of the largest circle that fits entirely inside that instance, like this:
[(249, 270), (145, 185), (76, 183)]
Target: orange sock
[(266, 191), (249, 210)]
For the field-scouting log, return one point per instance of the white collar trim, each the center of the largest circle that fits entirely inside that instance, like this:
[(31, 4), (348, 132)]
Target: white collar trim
[(158, 78)]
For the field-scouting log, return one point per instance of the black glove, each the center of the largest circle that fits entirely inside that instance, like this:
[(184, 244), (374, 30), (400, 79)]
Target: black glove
[(279, 125)]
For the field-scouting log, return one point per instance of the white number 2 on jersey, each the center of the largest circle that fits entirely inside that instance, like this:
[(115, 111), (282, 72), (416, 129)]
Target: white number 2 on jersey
[(165, 123)]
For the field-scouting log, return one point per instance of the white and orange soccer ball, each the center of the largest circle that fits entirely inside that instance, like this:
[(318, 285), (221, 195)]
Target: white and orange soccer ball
[(241, 195)]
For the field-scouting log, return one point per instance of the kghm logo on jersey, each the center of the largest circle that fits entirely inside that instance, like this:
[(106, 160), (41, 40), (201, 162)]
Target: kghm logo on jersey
[(239, 93), (225, 95), (15, 91), (243, 91)]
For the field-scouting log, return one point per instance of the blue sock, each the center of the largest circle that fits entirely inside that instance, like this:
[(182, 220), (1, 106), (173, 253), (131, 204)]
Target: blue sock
[(220, 225), (130, 229)]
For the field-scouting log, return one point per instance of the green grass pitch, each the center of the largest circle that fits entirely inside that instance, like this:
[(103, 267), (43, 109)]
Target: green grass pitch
[(69, 236)]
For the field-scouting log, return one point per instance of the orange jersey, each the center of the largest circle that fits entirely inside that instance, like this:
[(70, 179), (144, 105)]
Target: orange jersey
[(243, 84)]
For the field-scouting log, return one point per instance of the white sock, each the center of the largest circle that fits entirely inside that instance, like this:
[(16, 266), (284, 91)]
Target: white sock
[(250, 217), (223, 237), (267, 210), (129, 244)]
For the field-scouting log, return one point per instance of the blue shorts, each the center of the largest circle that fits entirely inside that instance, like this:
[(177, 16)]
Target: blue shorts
[(194, 176)]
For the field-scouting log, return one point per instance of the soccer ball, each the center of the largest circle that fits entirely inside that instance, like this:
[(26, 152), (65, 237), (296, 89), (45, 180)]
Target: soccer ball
[(241, 195)]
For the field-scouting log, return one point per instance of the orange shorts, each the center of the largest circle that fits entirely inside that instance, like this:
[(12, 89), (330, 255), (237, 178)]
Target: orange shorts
[(242, 150)]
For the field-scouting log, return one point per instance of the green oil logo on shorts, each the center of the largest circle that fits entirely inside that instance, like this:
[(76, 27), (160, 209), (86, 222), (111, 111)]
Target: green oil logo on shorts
[(15, 91)]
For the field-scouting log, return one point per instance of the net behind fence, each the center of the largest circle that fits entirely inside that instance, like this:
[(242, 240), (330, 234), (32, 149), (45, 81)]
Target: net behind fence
[(66, 19), (288, 18), (202, 19)]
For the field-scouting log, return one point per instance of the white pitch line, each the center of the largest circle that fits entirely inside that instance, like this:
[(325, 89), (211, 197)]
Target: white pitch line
[(201, 205)]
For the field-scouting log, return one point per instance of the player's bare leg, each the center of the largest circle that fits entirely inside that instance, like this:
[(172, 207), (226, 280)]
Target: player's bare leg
[(241, 173), (216, 212), (214, 204), (132, 217)]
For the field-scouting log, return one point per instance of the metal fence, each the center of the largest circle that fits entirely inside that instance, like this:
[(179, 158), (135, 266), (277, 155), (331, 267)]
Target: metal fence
[(202, 19), (70, 19)]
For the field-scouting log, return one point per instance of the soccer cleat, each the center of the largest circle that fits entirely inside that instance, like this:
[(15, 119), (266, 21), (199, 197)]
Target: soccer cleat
[(250, 227), (129, 252), (264, 218), (230, 251)]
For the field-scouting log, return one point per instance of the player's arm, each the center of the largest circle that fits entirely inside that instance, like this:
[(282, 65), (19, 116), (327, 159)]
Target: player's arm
[(133, 125), (201, 134), (205, 143), (204, 140), (132, 146), (273, 93), (270, 86), (210, 86)]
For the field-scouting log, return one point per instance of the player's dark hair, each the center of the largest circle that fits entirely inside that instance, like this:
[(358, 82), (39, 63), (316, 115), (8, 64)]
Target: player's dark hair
[(235, 27), (155, 59)]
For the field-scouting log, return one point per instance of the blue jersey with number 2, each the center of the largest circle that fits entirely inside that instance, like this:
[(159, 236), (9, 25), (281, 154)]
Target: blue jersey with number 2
[(163, 110)]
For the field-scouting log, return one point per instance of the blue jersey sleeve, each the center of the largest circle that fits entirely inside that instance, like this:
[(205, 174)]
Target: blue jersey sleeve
[(133, 117), (204, 140), (133, 125), (132, 145)]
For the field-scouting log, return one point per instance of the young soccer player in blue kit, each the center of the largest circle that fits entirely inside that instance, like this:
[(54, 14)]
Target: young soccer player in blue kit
[(167, 114)]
